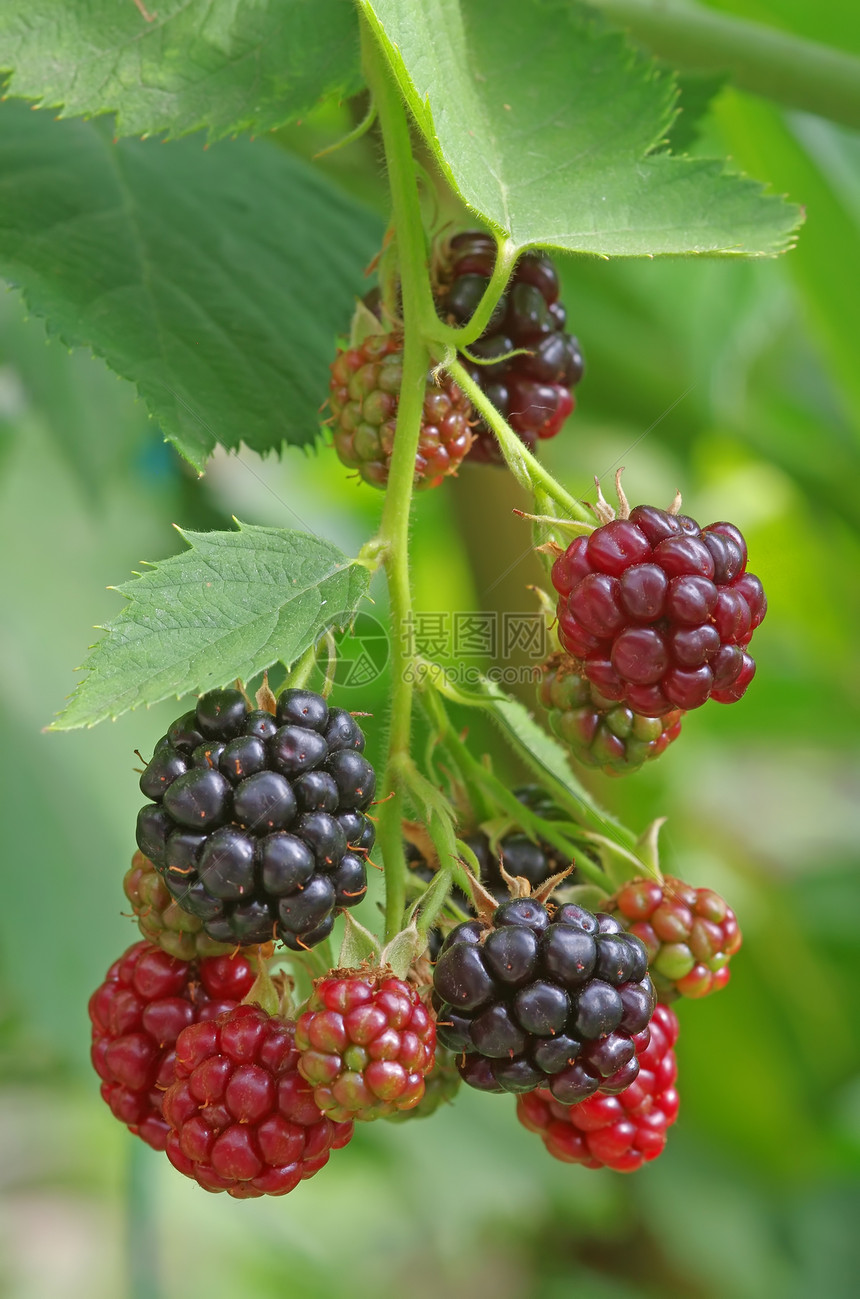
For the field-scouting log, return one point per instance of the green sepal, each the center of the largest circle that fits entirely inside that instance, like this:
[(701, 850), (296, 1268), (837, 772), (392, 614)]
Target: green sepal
[(402, 951), (359, 945)]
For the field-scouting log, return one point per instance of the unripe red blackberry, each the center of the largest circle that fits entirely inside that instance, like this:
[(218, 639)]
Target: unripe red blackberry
[(366, 1043), (691, 934), (257, 823), (533, 391), (659, 611), (543, 997), (242, 1118), (364, 394), (620, 1132), (440, 1087), (601, 732), (161, 920), (147, 999)]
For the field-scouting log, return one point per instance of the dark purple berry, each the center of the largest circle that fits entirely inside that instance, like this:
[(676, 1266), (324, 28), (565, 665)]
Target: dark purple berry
[(199, 799), (296, 749), (243, 757), (316, 791), (221, 714), (354, 778), (286, 863), (343, 731), (302, 708), (303, 911), (161, 772), (265, 801)]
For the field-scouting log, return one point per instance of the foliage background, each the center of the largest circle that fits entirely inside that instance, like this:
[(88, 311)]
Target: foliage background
[(736, 382)]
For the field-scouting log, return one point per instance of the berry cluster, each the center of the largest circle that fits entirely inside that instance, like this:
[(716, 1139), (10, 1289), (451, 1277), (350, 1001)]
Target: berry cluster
[(533, 389), (147, 999), (601, 732), (659, 611), (366, 1043), (242, 1118), (690, 934), (539, 997), (257, 824), (364, 395), (619, 1132)]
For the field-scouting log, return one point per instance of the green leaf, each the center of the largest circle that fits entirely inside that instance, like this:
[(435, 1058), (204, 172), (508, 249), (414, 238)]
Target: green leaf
[(179, 266), (547, 127), (234, 66), (232, 605)]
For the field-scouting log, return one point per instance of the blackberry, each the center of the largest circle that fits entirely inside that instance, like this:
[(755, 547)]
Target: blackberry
[(242, 1118), (659, 611), (543, 996), (690, 934), (364, 395), (365, 1043), (622, 1131), (601, 732), (147, 999), (521, 856), (532, 391), (258, 823)]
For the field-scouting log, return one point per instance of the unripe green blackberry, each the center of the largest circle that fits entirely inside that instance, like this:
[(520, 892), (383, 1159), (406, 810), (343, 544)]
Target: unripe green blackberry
[(601, 732), (161, 920), (690, 934), (364, 394)]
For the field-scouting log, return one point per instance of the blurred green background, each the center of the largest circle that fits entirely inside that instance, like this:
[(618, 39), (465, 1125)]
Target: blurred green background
[(738, 383)]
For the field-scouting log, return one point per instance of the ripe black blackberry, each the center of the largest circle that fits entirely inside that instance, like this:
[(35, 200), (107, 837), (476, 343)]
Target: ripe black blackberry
[(533, 390), (543, 996), (519, 855), (257, 822)]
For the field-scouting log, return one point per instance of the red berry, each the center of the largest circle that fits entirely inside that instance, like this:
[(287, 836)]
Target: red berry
[(658, 611), (621, 1131), (242, 1119), (364, 396), (138, 1013), (690, 934), (366, 1043)]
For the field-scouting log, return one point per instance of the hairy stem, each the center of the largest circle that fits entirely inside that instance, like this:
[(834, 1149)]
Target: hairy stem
[(394, 527), (525, 467)]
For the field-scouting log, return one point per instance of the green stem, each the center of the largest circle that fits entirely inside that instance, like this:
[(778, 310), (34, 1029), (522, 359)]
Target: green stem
[(503, 796), (506, 256), (299, 674), (394, 527), (793, 71), (525, 467)]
